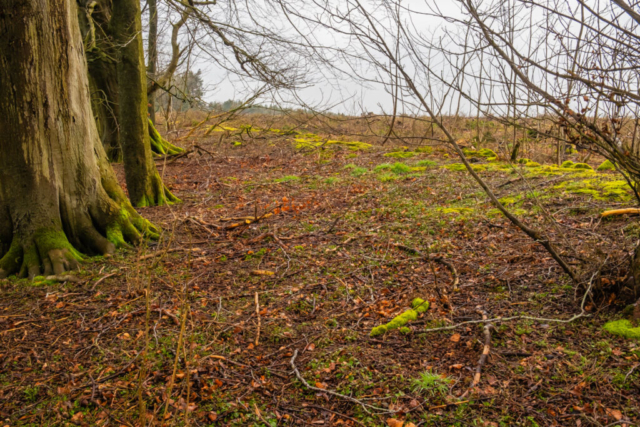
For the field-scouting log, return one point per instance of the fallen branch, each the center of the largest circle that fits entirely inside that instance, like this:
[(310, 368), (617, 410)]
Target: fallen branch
[(485, 353), (629, 211), (332, 393)]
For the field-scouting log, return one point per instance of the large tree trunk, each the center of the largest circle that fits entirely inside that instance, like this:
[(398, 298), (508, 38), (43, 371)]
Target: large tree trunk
[(58, 194), (143, 180), (153, 55), (94, 17)]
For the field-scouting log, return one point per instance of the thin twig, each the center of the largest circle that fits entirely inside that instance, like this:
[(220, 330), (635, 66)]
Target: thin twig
[(258, 315), (485, 353), (332, 393)]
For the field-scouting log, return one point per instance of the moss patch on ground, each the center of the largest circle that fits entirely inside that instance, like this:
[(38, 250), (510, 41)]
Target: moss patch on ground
[(623, 328), (418, 305)]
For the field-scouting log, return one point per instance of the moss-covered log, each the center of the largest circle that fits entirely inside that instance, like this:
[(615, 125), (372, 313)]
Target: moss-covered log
[(59, 197), (143, 181)]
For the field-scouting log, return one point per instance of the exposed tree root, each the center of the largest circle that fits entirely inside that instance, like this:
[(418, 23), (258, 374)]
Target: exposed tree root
[(161, 146), (158, 194)]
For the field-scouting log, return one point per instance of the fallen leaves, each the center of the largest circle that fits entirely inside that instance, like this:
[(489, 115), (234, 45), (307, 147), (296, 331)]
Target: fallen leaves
[(392, 422)]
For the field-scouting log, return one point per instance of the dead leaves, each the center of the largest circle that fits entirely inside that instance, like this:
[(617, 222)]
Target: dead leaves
[(392, 422)]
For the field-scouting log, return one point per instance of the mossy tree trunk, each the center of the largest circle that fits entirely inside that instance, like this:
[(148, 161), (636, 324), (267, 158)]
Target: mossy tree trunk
[(143, 180), (58, 194), (94, 17), (153, 55)]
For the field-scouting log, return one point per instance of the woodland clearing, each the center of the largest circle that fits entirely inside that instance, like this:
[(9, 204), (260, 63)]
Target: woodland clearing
[(284, 255)]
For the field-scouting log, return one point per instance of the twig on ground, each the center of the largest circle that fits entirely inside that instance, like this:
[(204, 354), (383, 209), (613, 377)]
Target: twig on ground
[(167, 251), (536, 319), (102, 279), (258, 316), (485, 353), (332, 393)]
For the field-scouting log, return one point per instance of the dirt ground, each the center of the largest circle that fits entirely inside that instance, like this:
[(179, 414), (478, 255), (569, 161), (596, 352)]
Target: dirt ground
[(283, 248)]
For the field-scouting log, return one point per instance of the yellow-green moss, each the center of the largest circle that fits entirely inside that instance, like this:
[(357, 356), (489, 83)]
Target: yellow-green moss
[(159, 145), (623, 328), (314, 141), (567, 164), (458, 211), (606, 166), (599, 190), (496, 212), (483, 152), (418, 305), (426, 150), (401, 154), (459, 167), (48, 239), (582, 166)]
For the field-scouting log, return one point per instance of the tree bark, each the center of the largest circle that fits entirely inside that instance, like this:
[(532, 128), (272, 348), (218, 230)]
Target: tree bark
[(58, 194), (153, 55), (94, 17), (143, 180)]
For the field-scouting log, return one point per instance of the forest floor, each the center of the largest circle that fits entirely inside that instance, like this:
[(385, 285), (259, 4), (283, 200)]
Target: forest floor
[(202, 327)]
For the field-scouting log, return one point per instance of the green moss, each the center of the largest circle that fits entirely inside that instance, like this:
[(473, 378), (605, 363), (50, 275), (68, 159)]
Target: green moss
[(427, 163), (418, 305), (509, 200), (218, 128), (567, 164), (405, 330), (496, 212), (530, 164), (426, 150), (383, 167), (358, 171), (484, 152), (287, 178), (387, 177), (606, 166), (10, 262), (126, 228), (49, 239), (314, 141), (582, 166), (459, 167), (623, 328), (597, 189), (400, 168), (351, 145), (459, 211), (401, 154), (616, 190), (159, 145)]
